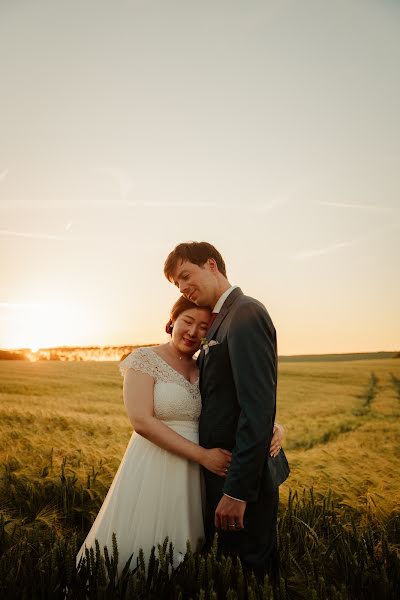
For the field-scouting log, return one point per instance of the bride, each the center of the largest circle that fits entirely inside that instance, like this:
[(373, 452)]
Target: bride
[(158, 488)]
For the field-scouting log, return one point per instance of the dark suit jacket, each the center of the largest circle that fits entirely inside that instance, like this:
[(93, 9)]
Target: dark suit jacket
[(238, 378)]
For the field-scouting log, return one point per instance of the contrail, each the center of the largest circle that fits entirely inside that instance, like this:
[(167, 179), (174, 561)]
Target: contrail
[(256, 206), (317, 252), (39, 236), (327, 249), (125, 185), (203, 204), (160, 204), (360, 206), (266, 206), (286, 195), (24, 305)]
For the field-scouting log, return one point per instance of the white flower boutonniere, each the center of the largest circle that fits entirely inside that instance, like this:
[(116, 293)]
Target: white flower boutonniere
[(205, 344)]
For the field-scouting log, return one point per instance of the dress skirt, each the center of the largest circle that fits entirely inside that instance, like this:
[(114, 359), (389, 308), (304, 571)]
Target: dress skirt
[(154, 494)]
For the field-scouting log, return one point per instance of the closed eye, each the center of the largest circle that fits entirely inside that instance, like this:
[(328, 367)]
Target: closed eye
[(183, 276)]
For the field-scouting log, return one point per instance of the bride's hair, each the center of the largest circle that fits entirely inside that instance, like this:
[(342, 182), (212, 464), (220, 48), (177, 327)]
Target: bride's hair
[(179, 307)]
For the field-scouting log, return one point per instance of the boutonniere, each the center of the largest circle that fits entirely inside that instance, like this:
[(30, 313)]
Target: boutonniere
[(205, 344)]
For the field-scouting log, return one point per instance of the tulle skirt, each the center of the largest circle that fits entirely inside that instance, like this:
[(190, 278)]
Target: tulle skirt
[(154, 494)]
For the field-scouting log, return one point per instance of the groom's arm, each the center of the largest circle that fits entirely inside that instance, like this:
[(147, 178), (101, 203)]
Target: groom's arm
[(252, 352)]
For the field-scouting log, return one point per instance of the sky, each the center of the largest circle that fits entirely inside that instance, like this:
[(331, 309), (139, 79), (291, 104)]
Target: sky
[(270, 129)]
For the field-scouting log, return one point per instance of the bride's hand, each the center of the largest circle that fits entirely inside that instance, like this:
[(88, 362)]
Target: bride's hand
[(217, 460), (276, 442)]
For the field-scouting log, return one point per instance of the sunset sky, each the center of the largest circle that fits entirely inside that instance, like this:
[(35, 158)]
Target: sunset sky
[(268, 128)]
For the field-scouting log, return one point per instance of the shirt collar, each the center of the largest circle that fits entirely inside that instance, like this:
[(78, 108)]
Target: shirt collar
[(222, 299)]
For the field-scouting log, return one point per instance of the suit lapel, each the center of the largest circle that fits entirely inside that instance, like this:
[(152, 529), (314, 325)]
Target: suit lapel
[(200, 360)]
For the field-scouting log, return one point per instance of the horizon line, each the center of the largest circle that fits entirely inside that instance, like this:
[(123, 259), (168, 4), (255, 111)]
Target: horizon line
[(94, 347)]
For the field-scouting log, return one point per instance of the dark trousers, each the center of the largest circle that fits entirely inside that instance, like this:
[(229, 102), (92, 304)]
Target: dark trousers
[(256, 543)]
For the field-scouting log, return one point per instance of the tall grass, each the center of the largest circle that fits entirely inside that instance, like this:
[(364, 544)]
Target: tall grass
[(63, 431), (324, 551)]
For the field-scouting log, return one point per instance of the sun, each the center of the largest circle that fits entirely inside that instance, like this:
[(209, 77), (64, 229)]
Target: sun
[(44, 325)]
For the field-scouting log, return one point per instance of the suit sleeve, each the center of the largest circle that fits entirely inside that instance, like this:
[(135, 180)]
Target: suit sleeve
[(252, 353)]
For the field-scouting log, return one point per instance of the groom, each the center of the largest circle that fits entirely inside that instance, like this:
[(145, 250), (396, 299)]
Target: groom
[(238, 376)]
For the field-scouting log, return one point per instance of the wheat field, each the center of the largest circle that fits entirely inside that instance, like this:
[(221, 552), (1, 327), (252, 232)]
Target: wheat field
[(341, 419), (63, 432)]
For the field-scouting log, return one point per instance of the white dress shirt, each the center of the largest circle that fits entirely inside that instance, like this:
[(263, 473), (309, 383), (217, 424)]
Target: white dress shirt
[(222, 299)]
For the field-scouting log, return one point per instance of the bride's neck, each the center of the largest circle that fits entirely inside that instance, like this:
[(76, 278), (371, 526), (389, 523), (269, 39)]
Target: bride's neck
[(181, 356)]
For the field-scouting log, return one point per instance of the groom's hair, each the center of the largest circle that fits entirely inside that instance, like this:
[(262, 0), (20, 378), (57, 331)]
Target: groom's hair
[(195, 252)]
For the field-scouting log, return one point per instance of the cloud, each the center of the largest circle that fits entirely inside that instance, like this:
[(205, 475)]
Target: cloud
[(357, 206), (126, 185), (168, 204), (266, 206), (288, 194), (40, 236), (24, 305), (319, 251), (3, 175), (304, 255), (257, 207)]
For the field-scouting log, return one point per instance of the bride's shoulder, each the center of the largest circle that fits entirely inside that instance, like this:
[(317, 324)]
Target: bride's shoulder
[(141, 359), (144, 350)]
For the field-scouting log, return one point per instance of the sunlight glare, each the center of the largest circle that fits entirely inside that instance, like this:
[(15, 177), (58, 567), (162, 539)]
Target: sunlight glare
[(44, 325)]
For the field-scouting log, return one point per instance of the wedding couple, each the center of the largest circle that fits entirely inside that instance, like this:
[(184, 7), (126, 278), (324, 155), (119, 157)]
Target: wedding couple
[(206, 454)]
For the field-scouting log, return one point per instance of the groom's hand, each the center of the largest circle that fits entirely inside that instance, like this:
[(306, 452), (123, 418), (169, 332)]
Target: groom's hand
[(229, 514)]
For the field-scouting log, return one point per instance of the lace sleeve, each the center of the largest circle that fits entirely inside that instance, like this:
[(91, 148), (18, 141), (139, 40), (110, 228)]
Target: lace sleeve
[(140, 360)]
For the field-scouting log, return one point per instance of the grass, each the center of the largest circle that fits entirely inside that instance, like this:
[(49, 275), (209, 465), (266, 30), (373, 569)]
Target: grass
[(63, 431), (342, 422)]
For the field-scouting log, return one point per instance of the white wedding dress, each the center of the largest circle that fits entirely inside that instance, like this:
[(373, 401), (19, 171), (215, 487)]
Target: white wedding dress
[(155, 493)]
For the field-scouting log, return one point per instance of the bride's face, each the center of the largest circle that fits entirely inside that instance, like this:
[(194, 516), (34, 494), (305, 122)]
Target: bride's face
[(188, 329)]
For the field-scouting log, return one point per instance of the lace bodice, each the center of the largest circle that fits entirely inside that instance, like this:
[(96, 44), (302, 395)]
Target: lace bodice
[(175, 398)]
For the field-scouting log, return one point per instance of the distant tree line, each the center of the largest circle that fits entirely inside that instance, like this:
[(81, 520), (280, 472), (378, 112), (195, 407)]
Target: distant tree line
[(9, 355)]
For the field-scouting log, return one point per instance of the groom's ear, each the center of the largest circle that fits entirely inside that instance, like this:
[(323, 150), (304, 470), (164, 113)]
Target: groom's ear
[(212, 264)]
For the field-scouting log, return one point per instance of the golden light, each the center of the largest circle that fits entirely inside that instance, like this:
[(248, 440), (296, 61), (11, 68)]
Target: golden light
[(43, 325)]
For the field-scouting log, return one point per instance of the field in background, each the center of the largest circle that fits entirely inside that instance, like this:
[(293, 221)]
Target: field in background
[(63, 432), (343, 422), (341, 418)]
